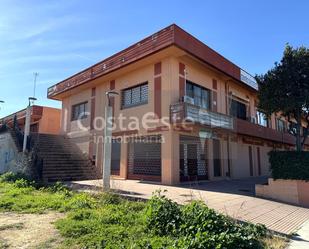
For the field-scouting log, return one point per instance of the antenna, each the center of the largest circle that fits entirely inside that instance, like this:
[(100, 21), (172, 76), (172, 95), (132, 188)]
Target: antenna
[(36, 74)]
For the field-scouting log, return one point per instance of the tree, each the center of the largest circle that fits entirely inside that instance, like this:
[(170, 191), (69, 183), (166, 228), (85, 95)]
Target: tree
[(285, 89)]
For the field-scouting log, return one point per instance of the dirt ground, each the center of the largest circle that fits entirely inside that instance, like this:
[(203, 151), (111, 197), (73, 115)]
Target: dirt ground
[(29, 230)]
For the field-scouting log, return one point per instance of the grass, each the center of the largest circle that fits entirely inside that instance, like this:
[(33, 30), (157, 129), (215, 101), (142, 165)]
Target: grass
[(275, 242), (92, 221)]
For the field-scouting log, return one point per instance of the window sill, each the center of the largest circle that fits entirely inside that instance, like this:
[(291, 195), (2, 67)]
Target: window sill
[(72, 120), (135, 105)]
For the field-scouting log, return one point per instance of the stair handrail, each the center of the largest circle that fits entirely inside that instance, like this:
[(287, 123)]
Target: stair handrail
[(18, 132)]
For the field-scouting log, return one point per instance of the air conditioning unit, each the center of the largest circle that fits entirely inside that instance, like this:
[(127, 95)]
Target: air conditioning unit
[(252, 120), (187, 99)]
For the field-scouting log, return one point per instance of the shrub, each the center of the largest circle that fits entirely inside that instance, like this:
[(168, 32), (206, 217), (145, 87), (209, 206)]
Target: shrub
[(22, 183), (12, 177), (289, 165), (197, 226), (108, 198), (202, 227), (163, 216), (82, 200), (59, 187), (198, 217)]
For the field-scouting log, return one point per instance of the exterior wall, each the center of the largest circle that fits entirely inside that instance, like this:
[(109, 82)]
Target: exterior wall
[(78, 130), (8, 152), (89, 139), (166, 84), (238, 150), (240, 161), (50, 121)]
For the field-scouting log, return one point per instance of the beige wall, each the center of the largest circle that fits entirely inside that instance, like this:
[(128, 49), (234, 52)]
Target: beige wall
[(289, 191), (50, 121)]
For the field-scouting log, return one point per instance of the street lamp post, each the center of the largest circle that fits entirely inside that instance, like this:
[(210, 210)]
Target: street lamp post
[(107, 148), (1, 102), (27, 123)]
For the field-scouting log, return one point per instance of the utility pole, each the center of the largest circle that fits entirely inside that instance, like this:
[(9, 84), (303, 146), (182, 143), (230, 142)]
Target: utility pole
[(28, 114), (107, 148), (36, 74)]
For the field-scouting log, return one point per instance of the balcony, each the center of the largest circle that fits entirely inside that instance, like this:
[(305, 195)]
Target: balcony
[(254, 130), (186, 112)]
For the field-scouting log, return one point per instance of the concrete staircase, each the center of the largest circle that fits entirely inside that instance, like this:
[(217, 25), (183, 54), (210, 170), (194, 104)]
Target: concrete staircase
[(15, 138), (61, 159)]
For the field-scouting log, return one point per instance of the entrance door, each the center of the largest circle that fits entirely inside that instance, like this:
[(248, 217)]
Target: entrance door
[(192, 163), (145, 159)]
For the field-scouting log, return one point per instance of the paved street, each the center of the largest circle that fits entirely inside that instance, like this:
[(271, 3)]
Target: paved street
[(235, 198)]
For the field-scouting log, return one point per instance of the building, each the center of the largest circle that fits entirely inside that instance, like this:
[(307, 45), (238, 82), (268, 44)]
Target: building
[(201, 108), (43, 119)]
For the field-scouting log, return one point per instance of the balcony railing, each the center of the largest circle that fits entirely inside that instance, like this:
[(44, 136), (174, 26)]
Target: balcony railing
[(254, 130), (185, 112)]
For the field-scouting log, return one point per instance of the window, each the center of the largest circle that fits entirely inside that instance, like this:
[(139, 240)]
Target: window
[(280, 125), (238, 110), (134, 96), (262, 119), (79, 111), (200, 94)]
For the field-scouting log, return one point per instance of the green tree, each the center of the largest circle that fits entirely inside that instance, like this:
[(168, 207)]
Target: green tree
[(285, 89)]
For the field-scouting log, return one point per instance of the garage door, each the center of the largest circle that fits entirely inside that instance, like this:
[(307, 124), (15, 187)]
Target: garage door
[(145, 159)]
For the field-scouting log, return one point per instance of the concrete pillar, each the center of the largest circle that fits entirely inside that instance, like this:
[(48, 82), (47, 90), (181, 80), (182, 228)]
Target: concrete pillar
[(170, 158), (107, 149), (124, 160), (27, 127), (224, 157), (98, 140), (210, 159)]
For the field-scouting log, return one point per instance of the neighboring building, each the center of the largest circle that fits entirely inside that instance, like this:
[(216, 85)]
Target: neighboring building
[(8, 151), (180, 80), (43, 119)]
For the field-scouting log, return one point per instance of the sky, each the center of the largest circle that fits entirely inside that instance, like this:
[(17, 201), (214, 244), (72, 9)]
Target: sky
[(60, 38)]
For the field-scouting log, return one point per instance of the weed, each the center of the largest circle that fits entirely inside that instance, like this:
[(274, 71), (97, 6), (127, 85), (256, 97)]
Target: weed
[(17, 226)]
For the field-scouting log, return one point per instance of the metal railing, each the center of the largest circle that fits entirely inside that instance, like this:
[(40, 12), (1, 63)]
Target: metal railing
[(183, 112)]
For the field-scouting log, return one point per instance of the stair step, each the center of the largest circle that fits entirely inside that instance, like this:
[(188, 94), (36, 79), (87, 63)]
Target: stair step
[(65, 168), (62, 159)]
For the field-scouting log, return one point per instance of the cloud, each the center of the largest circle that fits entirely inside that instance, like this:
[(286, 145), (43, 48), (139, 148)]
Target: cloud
[(30, 30), (25, 20)]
